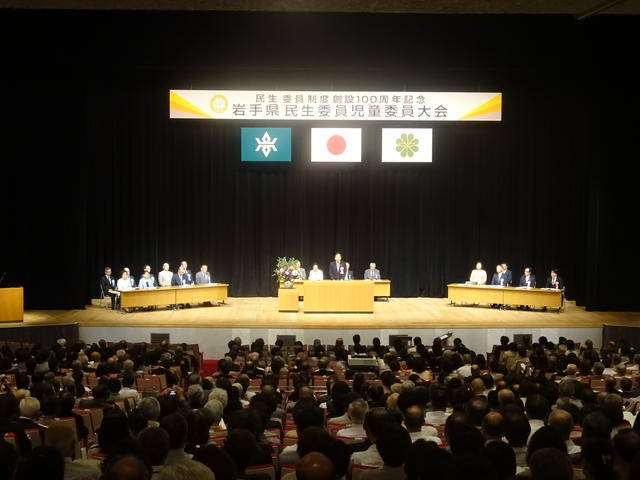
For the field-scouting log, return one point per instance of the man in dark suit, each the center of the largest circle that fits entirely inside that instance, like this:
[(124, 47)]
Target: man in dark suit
[(100, 394), (554, 281), (108, 284), (528, 279), (498, 277), (337, 268), (179, 278), (187, 272), (508, 275)]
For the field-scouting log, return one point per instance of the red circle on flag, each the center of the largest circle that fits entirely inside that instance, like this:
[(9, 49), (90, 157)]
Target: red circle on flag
[(336, 144)]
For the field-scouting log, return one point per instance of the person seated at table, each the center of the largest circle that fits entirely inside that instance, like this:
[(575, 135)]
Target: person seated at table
[(124, 282), (528, 279), (147, 281), (187, 272), (478, 275), (348, 274), (179, 279), (372, 273), (203, 277), (132, 280), (147, 268), (108, 284), (302, 273), (165, 276), (315, 273), (554, 281), (498, 277)]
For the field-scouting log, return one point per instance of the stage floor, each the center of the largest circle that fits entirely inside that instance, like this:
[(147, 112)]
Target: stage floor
[(397, 313)]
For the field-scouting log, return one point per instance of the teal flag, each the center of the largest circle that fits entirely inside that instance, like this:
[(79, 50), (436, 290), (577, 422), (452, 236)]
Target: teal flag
[(266, 145)]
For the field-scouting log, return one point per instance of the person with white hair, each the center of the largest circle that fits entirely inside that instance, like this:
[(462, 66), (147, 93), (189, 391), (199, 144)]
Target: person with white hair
[(215, 407), (150, 408), (29, 413), (356, 412)]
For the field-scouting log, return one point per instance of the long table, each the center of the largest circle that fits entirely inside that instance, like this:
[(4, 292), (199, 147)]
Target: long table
[(536, 297), (381, 288), (146, 297)]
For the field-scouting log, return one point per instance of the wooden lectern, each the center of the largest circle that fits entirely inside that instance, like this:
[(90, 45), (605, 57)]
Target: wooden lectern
[(11, 304)]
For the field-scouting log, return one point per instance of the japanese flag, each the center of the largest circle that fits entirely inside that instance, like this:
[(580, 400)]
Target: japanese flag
[(336, 145), (406, 145)]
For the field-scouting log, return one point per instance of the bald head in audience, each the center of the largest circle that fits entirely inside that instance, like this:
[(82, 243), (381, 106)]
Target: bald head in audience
[(562, 421), (477, 387), (126, 467), (493, 426), (315, 466), (505, 396), (414, 418)]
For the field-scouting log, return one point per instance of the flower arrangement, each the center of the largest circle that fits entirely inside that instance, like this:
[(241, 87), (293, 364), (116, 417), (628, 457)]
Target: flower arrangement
[(285, 270)]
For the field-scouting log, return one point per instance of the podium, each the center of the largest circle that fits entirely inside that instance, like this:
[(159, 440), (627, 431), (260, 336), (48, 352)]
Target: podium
[(12, 304)]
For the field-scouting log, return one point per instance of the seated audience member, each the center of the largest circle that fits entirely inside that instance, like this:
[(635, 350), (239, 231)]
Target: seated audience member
[(550, 464), (598, 460), (218, 461), (186, 470), (426, 460), (516, 431), (113, 430), (492, 427), (356, 413), (315, 466), (393, 444), (41, 462), (413, 422), (156, 443), (375, 421), (305, 415), (150, 408), (177, 428), (125, 466), (100, 394), (60, 436), (501, 461), (562, 422)]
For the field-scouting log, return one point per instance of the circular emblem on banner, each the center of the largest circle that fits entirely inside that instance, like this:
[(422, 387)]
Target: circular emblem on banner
[(218, 103)]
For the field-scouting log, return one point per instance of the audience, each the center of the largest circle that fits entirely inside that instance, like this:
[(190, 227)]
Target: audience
[(431, 411)]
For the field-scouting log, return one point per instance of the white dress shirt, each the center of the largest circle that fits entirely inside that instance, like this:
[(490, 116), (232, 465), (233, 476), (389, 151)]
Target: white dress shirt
[(124, 284), (369, 457), (425, 436), (315, 275), (354, 431), (436, 417)]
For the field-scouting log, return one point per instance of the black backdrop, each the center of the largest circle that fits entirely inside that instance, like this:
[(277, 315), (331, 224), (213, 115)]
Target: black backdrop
[(96, 174)]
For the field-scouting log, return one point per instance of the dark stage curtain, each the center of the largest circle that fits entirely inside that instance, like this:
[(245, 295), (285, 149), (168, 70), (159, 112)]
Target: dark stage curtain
[(99, 175)]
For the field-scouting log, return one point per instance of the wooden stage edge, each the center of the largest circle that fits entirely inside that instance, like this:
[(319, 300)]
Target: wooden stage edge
[(397, 313)]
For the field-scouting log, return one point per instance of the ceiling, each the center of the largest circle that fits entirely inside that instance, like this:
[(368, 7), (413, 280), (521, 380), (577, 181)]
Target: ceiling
[(577, 8)]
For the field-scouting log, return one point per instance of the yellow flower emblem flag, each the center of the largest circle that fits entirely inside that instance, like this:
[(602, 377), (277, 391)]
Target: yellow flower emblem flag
[(403, 145)]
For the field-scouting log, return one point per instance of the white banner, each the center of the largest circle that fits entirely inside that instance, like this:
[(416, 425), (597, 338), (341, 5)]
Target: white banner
[(328, 105)]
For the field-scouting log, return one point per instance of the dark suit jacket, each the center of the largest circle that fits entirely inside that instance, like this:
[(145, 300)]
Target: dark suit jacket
[(190, 277), (496, 281), (369, 276), (334, 270), (508, 277), (558, 279), (176, 281), (532, 280), (106, 285)]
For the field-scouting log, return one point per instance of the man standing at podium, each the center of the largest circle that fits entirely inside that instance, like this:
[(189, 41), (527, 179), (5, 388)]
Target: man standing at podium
[(337, 268), (372, 273)]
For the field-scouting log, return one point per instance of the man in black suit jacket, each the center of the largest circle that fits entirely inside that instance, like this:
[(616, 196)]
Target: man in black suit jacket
[(498, 277), (508, 275), (108, 284), (337, 268), (528, 279), (187, 272), (180, 278), (554, 281)]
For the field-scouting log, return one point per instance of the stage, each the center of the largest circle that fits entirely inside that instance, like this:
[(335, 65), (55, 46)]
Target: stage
[(251, 317)]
